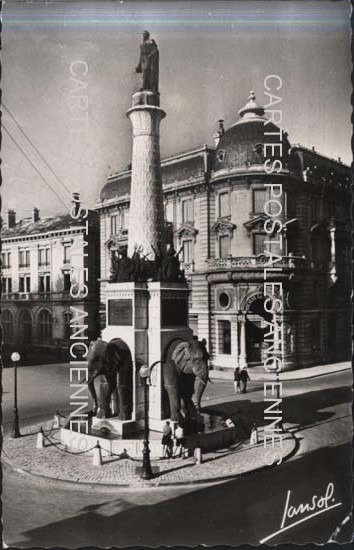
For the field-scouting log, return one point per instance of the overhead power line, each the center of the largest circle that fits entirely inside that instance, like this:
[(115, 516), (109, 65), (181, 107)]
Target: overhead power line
[(36, 149), (34, 167)]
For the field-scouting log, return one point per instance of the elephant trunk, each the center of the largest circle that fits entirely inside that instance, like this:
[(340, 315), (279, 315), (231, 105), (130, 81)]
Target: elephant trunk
[(199, 388)]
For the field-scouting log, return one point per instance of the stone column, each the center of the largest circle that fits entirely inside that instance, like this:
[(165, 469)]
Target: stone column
[(234, 341), (242, 356), (146, 216)]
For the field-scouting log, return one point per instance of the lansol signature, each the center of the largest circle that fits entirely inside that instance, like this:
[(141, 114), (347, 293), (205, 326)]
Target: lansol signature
[(315, 506)]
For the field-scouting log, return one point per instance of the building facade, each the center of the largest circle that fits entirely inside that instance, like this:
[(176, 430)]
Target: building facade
[(215, 216), (39, 257)]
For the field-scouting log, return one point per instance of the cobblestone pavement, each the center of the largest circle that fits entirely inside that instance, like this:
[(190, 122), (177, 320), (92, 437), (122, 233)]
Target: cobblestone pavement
[(57, 463)]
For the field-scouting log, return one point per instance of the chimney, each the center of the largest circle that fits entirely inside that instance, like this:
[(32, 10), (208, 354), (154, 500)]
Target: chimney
[(76, 202), (11, 218), (35, 216), (219, 133), (221, 127)]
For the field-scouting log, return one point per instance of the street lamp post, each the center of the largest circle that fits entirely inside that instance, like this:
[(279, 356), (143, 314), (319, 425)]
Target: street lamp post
[(146, 472), (15, 432)]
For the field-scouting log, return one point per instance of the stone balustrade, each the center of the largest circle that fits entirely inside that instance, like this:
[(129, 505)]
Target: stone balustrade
[(241, 262)]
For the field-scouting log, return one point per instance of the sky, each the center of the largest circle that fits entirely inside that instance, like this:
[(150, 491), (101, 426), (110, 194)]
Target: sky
[(211, 55)]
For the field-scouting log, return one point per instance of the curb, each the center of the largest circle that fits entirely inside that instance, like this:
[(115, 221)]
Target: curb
[(286, 379), (146, 484)]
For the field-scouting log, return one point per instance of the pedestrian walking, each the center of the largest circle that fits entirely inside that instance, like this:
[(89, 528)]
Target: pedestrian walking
[(179, 448), (237, 380), (244, 376), (167, 441)]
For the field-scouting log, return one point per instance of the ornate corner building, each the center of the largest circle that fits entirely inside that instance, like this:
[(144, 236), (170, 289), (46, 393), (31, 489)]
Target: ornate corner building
[(214, 201)]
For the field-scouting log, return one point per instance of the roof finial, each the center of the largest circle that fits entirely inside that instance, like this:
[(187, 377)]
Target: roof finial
[(252, 109)]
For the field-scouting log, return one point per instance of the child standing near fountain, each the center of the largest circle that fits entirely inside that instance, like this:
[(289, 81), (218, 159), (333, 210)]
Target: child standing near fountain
[(167, 441)]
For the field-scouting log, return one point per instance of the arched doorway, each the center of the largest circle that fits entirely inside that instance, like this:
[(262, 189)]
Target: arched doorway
[(45, 325), (255, 330), (25, 327)]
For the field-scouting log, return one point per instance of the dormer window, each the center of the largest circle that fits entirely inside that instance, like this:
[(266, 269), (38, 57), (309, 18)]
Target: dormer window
[(258, 149), (221, 155)]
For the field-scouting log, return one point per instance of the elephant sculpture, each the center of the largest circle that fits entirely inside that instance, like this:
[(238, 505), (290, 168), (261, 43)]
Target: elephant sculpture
[(111, 363), (185, 372)]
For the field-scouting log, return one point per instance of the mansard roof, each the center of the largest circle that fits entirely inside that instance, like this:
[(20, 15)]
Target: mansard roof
[(189, 165), (48, 224)]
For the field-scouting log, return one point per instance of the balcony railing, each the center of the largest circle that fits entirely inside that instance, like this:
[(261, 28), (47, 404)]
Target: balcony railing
[(241, 262), (37, 296)]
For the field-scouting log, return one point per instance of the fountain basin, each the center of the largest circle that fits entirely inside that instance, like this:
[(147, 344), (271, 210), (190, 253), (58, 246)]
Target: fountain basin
[(215, 436)]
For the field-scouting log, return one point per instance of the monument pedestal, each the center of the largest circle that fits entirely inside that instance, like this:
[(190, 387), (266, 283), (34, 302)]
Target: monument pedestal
[(149, 317)]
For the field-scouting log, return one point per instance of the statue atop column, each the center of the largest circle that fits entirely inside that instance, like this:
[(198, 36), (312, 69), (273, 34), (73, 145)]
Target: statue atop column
[(149, 63)]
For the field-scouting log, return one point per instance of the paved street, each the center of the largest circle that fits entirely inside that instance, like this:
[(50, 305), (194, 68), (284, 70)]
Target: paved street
[(248, 509)]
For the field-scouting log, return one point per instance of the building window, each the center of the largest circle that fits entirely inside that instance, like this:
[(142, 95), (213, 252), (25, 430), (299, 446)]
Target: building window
[(25, 283), (25, 326), (6, 259), (6, 285), (187, 252), (224, 204), (224, 246), (224, 300), (187, 211), (259, 200), (24, 258), (67, 253), (169, 212), (224, 337), (44, 283), (220, 155), (67, 283), (118, 222), (7, 324), (258, 243), (44, 325), (291, 242), (332, 333), (67, 329), (114, 224), (316, 334), (290, 205), (44, 256), (315, 209), (125, 219)]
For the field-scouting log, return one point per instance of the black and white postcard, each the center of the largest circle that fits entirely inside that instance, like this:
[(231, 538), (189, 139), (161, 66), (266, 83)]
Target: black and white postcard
[(176, 273)]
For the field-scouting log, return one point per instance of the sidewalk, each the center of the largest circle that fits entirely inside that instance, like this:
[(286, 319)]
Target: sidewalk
[(259, 373), (57, 464)]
